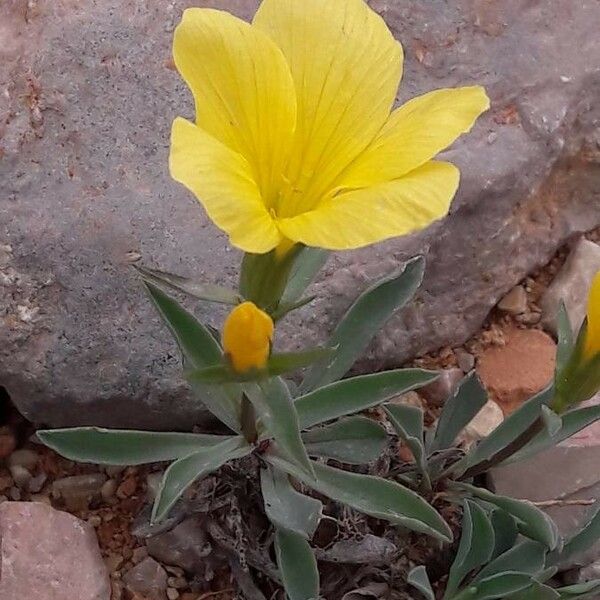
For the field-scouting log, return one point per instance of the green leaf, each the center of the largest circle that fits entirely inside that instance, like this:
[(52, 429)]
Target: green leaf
[(566, 339), (505, 531), (511, 428), (373, 496), (459, 411), (525, 557), (200, 350), (272, 400), (498, 587), (286, 362), (552, 421), (183, 472), (418, 578), (475, 547), (355, 440), (585, 537), (298, 566), (306, 266), (287, 508), (284, 309), (358, 393), (124, 447), (537, 591), (363, 320), (204, 291), (532, 521), (408, 424), (580, 591), (572, 422)]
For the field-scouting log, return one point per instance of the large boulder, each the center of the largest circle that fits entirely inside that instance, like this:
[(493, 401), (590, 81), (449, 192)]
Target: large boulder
[(88, 95)]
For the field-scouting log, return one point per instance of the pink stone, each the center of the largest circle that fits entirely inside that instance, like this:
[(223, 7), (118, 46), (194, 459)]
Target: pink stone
[(46, 554)]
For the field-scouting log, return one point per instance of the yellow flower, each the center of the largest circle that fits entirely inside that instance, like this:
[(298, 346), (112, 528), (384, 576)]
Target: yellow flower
[(247, 335), (295, 138), (591, 346)]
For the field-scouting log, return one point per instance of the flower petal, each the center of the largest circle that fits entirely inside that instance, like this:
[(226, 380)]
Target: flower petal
[(592, 339), (415, 133), (222, 181), (346, 67), (242, 87), (390, 209)]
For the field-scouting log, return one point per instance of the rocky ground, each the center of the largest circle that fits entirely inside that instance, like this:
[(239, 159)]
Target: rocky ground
[(205, 550)]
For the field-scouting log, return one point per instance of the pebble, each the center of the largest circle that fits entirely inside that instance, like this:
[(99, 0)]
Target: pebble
[(108, 489), (14, 494), (152, 484), (20, 475), (95, 521), (465, 360), (77, 491), (172, 594), (515, 302), (113, 562), (486, 420), (176, 571), (178, 583), (147, 578), (40, 498), (37, 483), (437, 392), (23, 458), (113, 470), (127, 488)]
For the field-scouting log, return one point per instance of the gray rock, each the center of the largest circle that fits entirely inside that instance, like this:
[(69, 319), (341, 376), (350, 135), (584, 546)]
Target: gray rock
[(571, 285), (465, 360), (568, 472), (185, 546), (85, 190), (48, 555), (147, 578), (443, 387), (23, 458)]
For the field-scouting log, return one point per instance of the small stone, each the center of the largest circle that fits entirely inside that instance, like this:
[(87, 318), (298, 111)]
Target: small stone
[(172, 594), (8, 442), (40, 498), (408, 399), (437, 392), (3, 499), (78, 490), (113, 562), (116, 590), (114, 470), (176, 571), (127, 488), (571, 285), (179, 583), (185, 546), (37, 483), (95, 521), (51, 554), (139, 554), (521, 368), (23, 458), (20, 475), (465, 360), (147, 578), (108, 489), (515, 302), (486, 420), (14, 493)]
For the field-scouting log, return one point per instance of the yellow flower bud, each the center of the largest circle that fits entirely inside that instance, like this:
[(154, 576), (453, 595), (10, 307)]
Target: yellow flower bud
[(247, 335), (592, 337)]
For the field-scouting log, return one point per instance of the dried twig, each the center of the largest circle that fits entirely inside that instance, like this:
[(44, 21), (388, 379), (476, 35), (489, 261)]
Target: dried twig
[(550, 503)]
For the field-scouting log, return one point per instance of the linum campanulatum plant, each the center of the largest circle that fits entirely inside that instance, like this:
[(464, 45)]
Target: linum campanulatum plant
[(295, 150)]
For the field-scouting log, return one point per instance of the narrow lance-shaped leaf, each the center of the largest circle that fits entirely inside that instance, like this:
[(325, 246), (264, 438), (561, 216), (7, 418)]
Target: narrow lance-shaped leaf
[(373, 496), (198, 289), (572, 422), (363, 320), (418, 578), (537, 591), (183, 472), (459, 411), (532, 521), (355, 440), (475, 548), (286, 507), (357, 393), (408, 423), (124, 447), (273, 402), (525, 557), (298, 566), (566, 340), (200, 349), (505, 531), (306, 267), (496, 587), (580, 591)]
